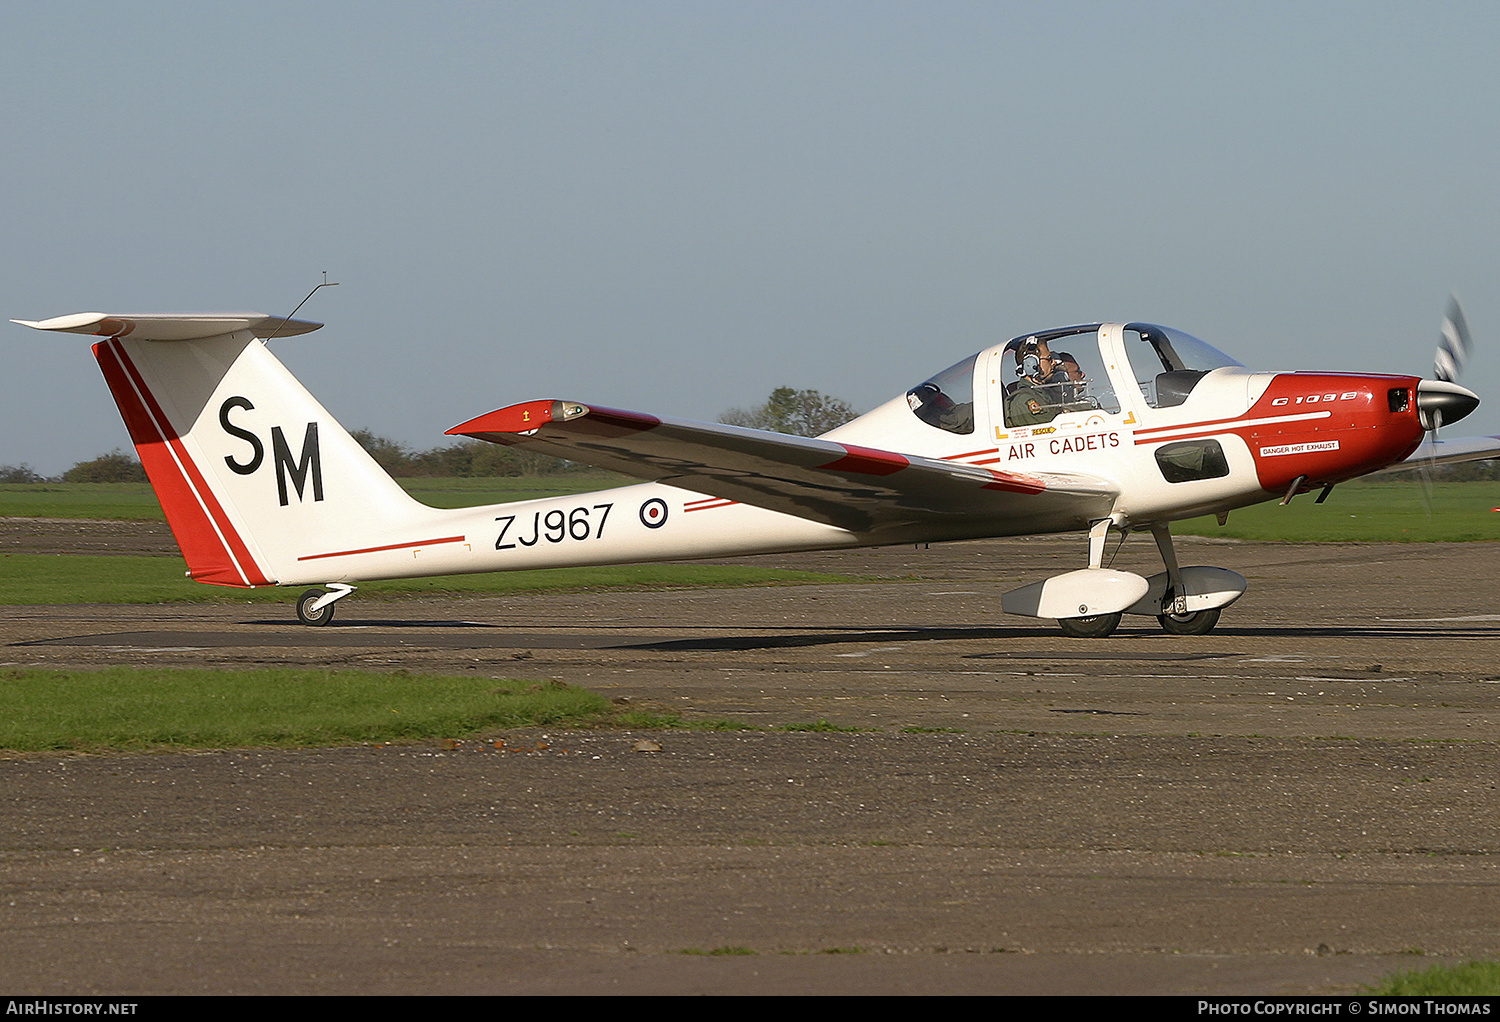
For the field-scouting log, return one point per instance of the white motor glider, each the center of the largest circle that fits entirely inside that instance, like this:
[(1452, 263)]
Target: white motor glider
[(1125, 426)]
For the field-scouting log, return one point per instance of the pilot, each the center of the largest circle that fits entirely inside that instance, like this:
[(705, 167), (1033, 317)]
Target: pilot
[(1035, 398)]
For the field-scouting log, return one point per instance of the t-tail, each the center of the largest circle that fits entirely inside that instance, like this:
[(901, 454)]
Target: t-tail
[(260, 485)]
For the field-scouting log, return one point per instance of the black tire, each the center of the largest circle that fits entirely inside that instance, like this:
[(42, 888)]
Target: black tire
[(1098, 626), (309, 616), (1200, 623)]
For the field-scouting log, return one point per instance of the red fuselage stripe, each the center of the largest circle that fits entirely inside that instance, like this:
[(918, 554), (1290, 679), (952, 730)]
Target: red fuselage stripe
[(388, 546), (1193, 430)]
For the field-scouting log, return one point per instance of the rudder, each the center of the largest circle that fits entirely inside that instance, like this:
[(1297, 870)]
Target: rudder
[(255, 477)]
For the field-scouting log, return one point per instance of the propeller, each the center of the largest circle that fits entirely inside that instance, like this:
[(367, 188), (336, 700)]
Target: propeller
[(1453, 349), (1441, 399)]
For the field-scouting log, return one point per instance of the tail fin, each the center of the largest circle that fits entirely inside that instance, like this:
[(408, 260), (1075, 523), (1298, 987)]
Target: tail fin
[(255, 477)]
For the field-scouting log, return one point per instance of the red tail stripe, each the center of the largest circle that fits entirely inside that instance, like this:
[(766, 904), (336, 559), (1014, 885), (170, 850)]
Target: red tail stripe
[(213, 548)]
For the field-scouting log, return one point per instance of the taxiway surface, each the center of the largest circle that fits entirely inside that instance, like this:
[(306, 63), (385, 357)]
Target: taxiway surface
[(1303, 801)]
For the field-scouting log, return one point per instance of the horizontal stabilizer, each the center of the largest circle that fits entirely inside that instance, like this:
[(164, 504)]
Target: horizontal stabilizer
[(173, 326), (862, 489)]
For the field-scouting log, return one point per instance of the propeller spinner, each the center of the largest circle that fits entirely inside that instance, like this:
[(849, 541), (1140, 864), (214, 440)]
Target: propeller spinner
[(1440, 402)]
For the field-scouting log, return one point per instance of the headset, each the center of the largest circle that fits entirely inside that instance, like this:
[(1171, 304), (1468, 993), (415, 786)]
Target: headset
[(1030, 363)]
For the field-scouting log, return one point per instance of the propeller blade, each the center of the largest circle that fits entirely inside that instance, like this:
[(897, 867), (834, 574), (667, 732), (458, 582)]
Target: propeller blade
[(1453, 347)]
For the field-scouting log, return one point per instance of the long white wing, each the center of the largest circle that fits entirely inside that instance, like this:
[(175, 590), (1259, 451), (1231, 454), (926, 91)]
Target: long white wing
[(862, 489)]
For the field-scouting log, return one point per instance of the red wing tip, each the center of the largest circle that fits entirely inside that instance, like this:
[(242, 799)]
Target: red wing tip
[(521, 418), (530, 416)]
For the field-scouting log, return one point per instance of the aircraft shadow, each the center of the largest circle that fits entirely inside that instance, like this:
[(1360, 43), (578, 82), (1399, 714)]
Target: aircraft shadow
[(1075, 649), (375, 623), (797, 636), (1124, 644)]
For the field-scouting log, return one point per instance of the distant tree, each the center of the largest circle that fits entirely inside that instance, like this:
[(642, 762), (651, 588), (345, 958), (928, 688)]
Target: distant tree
[(388, 454), (114, 467), (1468, 471), (465, 459), (798, 412), (22, 473), (1459, 472)]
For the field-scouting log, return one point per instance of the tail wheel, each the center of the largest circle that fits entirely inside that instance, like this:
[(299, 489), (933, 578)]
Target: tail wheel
[(1098, 626), (1200, 623), (307, 615)]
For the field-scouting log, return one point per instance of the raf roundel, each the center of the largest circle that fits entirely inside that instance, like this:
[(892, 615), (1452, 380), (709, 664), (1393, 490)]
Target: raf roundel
[(654, 513)]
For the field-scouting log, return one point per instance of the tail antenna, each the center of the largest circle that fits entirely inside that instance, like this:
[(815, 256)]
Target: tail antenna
[(288, 318)]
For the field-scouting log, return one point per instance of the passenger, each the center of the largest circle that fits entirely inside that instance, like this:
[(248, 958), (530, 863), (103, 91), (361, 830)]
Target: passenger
[(1073, 391)]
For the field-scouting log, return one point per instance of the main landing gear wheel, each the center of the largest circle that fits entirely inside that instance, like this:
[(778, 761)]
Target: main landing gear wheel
[(307, 615), (1098, 626), (1200, 623)]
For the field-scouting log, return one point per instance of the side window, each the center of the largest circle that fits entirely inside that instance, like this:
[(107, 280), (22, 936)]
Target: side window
[(1190, 460), (1169, 363), (947, 400)]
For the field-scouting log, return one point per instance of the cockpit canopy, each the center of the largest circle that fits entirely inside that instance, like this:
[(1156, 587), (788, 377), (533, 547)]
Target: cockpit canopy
[(1049, 373)]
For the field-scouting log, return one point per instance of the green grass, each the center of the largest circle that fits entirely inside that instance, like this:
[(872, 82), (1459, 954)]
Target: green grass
[(1355, 512), (87, 578), (136, 709), (818, 725), (1472, 979), (137, 502), (127, 501), (726, 949), (1362, 512)]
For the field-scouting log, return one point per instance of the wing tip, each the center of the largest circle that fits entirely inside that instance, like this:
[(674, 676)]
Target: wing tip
[(526, 417)]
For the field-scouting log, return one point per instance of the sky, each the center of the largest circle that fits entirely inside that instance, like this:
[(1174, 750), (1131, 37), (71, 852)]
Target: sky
[(675, 207)]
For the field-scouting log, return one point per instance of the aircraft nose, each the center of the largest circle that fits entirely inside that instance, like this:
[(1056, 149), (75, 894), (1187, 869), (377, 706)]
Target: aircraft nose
[(1440, 402)]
